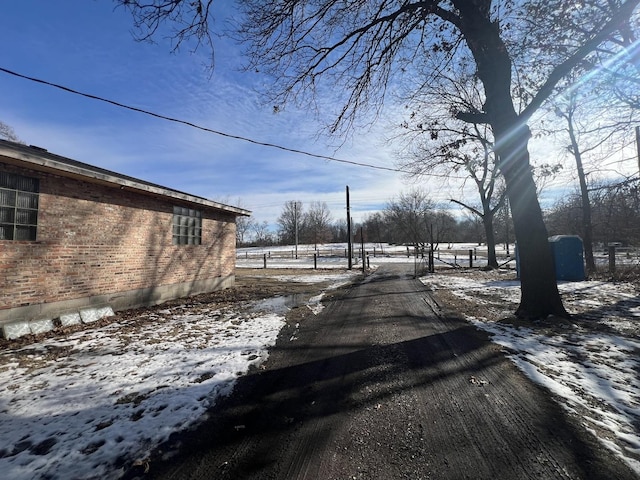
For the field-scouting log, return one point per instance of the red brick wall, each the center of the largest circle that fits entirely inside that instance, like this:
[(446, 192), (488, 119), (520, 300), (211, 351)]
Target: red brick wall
[(96, 240)]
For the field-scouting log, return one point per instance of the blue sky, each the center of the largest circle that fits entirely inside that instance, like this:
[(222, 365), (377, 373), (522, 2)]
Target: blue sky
[(87, 45)]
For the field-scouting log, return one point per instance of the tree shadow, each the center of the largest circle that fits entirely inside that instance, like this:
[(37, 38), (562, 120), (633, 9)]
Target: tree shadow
[(284, 417)]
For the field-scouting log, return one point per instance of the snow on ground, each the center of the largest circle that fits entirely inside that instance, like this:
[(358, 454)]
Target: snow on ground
[(591, 363), (89, 404)]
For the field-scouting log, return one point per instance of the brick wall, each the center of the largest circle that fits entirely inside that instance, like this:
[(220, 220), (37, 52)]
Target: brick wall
[(95, 240)]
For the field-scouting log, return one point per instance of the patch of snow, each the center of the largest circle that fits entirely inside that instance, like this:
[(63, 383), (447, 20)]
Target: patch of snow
[(110, 395), (315, 304)]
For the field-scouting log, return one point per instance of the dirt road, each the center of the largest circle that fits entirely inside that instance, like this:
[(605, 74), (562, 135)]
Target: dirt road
[(378, 386)]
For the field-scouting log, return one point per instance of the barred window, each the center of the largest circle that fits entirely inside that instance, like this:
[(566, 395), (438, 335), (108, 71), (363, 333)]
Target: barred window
[(187, 226), (18, 207)]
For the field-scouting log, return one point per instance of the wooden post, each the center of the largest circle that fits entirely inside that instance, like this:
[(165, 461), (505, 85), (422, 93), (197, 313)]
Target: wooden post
[(612, 259), (470, 258), (364, 266), (350, 261), (265, 260), (315, 261)]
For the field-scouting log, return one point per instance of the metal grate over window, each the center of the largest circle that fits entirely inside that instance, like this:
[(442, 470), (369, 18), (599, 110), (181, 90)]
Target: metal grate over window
[(187, 226), (18, 207)]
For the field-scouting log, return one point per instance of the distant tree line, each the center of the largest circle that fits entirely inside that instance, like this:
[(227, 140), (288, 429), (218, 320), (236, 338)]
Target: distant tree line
[(311, 224), (412, 218), (615, 214)]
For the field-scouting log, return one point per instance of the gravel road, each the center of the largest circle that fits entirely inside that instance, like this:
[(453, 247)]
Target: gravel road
[(380, 385)]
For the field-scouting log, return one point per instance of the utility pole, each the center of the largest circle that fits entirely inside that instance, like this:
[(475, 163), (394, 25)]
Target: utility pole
[(295, 221), (349, 252)]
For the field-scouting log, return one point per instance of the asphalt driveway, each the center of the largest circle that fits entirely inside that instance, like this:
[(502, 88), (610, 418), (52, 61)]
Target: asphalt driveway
[(380, 385)]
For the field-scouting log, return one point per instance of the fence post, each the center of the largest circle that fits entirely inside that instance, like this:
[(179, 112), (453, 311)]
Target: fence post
[(368, 264), (612, 259), (470, 258), (315, 261), (265, 260)]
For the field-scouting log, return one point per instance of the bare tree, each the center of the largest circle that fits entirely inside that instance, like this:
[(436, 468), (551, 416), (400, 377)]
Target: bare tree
[(339, 231), (617, 211), (289, 221), (409, 213), (615, 208), (447, 145), (363, 48), (190, 21), (243, 226), (262, 235), (591, 131), (376, 228), (317, 223), (8, 133)]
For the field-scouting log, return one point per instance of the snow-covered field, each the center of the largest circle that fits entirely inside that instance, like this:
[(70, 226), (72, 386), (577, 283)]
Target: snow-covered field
[(590, 363), (334, 255)]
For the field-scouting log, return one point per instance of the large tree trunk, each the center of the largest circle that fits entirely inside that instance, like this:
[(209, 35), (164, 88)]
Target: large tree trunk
[(539, 291), (587, 226)]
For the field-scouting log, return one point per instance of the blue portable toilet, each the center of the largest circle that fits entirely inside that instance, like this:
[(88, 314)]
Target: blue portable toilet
[(568, 255)]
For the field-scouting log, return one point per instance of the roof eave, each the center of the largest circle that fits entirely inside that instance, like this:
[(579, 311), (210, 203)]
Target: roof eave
[(40, 159)]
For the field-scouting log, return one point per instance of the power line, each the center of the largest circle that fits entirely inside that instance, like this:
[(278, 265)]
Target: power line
[(199, 127)]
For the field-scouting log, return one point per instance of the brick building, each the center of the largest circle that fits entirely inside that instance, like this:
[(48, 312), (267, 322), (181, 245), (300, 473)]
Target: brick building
[(77, 239)]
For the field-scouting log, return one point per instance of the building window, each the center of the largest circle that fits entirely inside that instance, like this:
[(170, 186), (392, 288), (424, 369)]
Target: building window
[(18, 207), (187, 226)]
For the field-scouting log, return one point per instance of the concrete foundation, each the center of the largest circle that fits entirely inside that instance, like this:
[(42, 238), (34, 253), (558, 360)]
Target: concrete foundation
[(16, 322)]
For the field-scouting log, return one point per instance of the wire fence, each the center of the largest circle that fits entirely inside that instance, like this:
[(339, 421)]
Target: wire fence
[(615, 263)]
